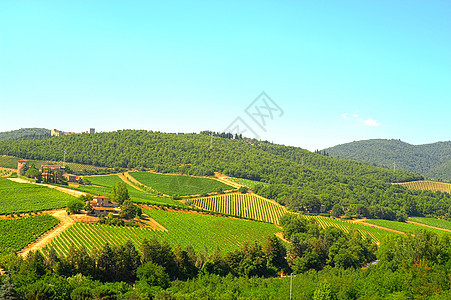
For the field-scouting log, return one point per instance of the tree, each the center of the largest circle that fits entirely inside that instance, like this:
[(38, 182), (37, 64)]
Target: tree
[(153, 275), (33, 173), (74, 206), (186, 264), (337, 210), (275, 253), (129, 210), (161, 254), (243, 190), (88, 207), (128, 261), (120, 193), (106, 263), (7, 291), (39, 290)]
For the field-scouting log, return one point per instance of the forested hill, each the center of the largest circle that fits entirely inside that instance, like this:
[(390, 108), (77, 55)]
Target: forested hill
[(25, 134), (299, 179), (198, 154), (431, 160)]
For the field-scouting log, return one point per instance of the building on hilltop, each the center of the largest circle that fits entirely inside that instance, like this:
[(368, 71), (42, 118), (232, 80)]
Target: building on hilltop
[(56, 132)]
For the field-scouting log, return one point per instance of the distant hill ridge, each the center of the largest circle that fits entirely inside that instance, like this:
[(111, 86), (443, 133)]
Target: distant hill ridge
[(431, 160), (25, 134)]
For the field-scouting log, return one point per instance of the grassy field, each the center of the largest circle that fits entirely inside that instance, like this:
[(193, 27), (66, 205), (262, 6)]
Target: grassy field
[(102, 185), (247, 182), (179, 184), (250, 206), (432, 222), (24, 197), (15, 234), (424, 185), (203, 232), (375, 234), (11, 162), (401, 226)]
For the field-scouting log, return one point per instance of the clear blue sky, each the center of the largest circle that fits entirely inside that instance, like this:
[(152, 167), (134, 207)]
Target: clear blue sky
[(339, 70)]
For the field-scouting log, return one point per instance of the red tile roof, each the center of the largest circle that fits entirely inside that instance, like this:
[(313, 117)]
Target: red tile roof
[(104, 208)]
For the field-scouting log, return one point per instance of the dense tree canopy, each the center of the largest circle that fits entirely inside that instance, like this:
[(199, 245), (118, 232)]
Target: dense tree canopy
[(25, 134), (430, 160)]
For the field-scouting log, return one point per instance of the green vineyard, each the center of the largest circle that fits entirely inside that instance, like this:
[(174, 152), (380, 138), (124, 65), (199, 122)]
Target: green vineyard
[(102, 185), (249, 206), (424, 185), (432, 222), (247, 182), (402, 226), (203, 232), (25, 197), (372, 233), (15, 234), (179, 184)]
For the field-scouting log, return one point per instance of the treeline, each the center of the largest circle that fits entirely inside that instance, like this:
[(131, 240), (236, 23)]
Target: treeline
[(299, 179), (224, 135), (327, 265), (114, 271), (157, 264), (25, 134), (409, 267)]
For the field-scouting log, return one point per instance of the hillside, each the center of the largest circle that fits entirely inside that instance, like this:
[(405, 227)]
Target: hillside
[(25, 134), (431, 160), (294, 177)]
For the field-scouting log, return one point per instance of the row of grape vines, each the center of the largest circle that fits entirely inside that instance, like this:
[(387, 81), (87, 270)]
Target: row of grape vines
[(17, 233), (24, 197), (374, 234), (202, 232), (428, 186), (94, 236), (249, 206)]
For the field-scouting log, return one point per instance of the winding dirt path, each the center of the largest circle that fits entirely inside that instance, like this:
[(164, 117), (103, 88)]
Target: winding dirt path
[(127, 179), (362, 222), (43, 240), (428, 226), (280, 236), (225, 179)]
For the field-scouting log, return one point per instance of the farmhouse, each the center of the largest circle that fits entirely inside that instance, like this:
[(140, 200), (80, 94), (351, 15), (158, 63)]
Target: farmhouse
[(70, 177), (102, 205), (51, 167)]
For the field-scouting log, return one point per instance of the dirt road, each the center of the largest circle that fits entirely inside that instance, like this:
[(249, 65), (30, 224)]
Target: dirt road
[(129, 179), (43, 240), (59, 188), (362, 222), (225, 179), (428, 226)]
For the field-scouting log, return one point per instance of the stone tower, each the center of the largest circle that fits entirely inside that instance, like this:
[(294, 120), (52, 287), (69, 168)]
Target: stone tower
[(22, 166)]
